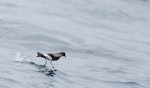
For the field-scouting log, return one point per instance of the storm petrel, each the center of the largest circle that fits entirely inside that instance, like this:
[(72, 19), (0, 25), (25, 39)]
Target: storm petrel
[(51, 57)]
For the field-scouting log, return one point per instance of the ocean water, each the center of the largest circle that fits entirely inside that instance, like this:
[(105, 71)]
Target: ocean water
[(107, 43)]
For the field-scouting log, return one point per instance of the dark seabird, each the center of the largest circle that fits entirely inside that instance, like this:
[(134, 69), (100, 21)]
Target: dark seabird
[(51, 57)]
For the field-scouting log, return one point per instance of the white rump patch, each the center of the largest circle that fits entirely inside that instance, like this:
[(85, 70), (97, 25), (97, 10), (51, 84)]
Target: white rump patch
[(47, 56)]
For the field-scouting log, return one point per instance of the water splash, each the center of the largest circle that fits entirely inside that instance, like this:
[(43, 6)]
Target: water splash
[(21, 58)]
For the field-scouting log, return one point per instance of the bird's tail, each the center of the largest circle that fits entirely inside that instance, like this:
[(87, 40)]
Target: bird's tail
[(39, 54)]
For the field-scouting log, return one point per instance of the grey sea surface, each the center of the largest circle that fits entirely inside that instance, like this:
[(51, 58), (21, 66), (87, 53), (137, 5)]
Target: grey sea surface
[(107, 43)]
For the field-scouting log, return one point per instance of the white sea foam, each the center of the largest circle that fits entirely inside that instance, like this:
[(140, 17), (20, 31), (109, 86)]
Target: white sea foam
[(21, 58)]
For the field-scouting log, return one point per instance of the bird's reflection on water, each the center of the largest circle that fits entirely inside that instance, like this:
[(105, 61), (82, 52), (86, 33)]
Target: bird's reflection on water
[(44, 69)]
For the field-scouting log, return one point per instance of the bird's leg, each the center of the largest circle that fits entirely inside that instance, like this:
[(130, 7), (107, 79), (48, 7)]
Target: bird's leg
[(45, 62), (52, 64)]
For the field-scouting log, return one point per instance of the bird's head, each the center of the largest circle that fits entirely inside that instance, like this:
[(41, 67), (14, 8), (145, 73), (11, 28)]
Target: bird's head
[(63, 54)]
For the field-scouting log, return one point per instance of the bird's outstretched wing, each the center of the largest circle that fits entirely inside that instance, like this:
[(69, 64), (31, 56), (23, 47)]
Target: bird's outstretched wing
[(57, 55), (50, 54), (54, 54)]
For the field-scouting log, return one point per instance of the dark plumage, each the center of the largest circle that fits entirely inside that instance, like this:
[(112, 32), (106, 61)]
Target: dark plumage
[(51, 56)]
